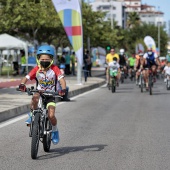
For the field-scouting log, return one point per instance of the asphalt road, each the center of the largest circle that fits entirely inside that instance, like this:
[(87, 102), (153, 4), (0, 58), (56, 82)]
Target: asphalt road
[(128, 130)]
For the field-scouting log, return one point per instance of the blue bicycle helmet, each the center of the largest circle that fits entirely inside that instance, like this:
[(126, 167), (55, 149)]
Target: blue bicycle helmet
[(45, 49)]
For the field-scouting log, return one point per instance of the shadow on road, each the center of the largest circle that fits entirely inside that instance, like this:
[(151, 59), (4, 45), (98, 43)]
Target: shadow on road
[(66, 150), (154, 93)]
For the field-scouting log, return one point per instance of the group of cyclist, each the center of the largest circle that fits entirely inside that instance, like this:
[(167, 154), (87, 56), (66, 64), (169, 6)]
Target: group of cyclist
[(142, 62)]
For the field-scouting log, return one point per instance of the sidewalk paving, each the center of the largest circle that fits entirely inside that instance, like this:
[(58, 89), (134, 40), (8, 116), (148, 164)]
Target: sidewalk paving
[(12, 105)]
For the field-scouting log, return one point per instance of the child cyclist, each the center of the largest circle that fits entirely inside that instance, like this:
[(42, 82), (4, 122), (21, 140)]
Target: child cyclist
[(114, 69), (46, 75), (166, 70)]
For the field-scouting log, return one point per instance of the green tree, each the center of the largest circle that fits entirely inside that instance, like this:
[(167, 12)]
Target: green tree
[(133, 19)]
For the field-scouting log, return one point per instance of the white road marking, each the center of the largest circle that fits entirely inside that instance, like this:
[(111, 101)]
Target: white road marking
[(11, 121)]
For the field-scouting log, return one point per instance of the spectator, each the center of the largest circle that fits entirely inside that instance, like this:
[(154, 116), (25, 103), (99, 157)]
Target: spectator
[(73, 61), (23, 62), (67, 69), (89, 63), (85, 67)]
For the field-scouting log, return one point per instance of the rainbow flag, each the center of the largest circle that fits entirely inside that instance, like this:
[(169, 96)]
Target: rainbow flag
[(70, 15)]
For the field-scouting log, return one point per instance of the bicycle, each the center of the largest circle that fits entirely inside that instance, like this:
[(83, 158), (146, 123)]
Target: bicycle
[(40, 127)]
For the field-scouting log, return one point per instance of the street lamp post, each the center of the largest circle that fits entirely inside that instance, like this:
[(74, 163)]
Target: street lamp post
[(111, 14), (159, 33), (159, 39)]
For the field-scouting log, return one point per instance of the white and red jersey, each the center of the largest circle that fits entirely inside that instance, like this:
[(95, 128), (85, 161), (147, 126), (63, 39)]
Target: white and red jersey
[(167, 70), (46, 81)]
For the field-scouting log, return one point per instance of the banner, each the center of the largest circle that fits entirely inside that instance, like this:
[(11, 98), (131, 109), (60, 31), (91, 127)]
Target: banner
[(70, 15), (150, 43), (139, 47)]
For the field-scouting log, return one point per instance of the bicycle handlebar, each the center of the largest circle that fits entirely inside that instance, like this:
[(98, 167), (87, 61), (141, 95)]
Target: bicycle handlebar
[(31, 91)]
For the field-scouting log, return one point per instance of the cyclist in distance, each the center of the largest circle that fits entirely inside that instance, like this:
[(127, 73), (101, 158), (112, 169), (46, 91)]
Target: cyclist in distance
[(122, 61), (166, 70), (114, 66), (109, 58), (152, 62), (139, 66), (46, 75), (131, 63)]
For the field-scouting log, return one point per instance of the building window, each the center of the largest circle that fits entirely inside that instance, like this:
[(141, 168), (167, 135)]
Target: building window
[(151, 23), (106, 7)]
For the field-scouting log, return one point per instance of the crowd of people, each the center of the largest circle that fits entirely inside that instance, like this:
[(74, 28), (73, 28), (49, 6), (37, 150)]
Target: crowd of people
[(136, 63), (67, 61)]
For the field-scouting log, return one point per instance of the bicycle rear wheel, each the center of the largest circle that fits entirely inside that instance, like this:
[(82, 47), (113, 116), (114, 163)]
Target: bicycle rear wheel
[(47, 136), (35, 136), (122, 78)]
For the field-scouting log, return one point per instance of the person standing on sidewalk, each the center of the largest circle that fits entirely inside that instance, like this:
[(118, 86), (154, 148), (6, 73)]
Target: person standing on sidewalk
[(89, 63), (23, 62), (46, 74), (67, 58), (85, 67), (73, 62)]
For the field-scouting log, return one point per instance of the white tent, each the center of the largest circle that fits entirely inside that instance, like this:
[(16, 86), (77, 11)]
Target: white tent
[(8, 42)]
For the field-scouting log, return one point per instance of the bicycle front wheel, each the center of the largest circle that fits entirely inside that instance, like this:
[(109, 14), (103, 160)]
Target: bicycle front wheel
[(150, 85), (142, 83), (35, 136), (47, 136), (113, 85)]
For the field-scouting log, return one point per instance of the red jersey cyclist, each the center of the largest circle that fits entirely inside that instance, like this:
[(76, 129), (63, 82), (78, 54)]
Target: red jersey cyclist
[(46, 74)]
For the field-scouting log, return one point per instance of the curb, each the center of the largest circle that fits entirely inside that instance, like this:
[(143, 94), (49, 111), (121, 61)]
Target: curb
[(8, 114)]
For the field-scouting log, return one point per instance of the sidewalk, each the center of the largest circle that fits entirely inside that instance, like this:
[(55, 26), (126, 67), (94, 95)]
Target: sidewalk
[(12, 105)]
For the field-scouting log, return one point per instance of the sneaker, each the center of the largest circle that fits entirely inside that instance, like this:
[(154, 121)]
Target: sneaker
[(28, 121), (165, 80), (136, 82), (55, 137)]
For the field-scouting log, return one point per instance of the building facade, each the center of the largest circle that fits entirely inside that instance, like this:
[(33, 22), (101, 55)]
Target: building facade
[(118, 10), (115, 10), (147, 13)]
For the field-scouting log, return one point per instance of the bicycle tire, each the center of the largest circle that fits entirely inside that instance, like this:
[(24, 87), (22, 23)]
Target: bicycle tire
[(142, 84), (47, 136), (113, 85), (35, 136), (150, 85), (122, 78)]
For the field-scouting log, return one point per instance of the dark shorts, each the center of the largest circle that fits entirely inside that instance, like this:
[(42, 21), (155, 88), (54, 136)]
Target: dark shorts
[(48, 99), (150, 65), (132, 67), (122, 64)]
